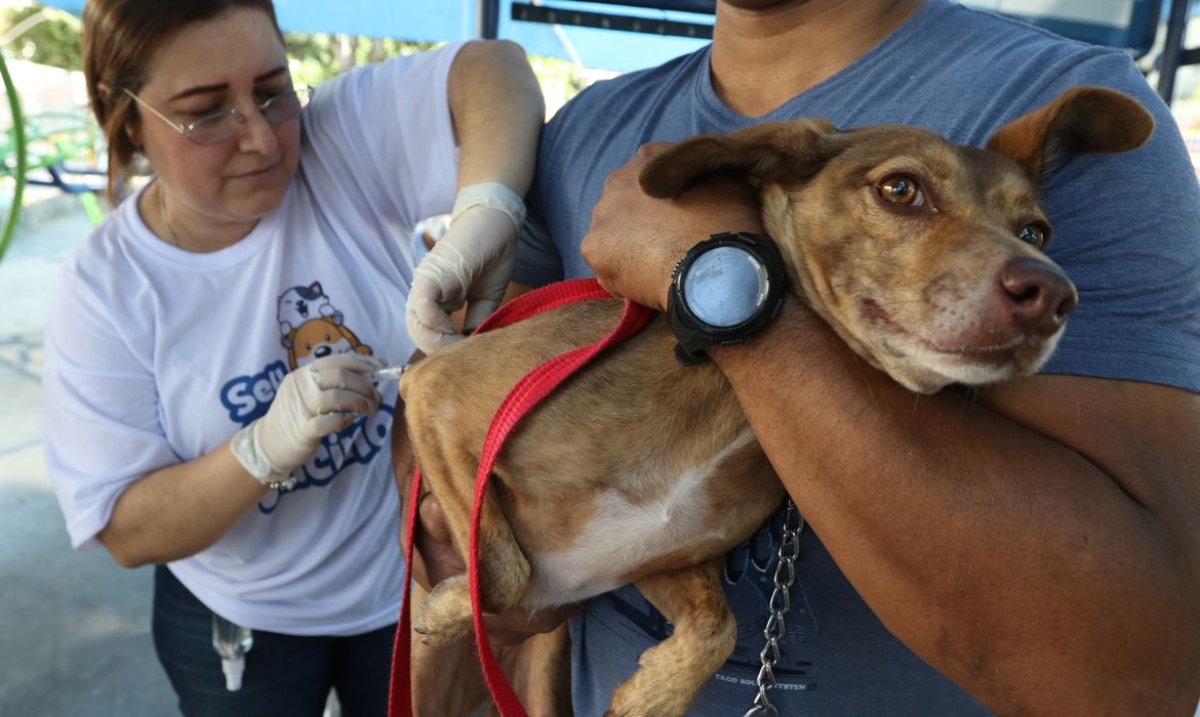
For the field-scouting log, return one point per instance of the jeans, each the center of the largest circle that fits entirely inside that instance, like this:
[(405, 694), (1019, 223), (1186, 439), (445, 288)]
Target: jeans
[(285, 675)]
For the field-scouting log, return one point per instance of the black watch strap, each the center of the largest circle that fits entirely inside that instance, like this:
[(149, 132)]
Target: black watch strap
[(695, 336), (692, 343)]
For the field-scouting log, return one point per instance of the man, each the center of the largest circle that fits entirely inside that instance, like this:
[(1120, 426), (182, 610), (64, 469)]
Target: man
[(1030, 549)]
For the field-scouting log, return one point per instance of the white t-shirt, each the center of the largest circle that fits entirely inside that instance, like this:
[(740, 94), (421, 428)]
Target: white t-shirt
[(156, 356)]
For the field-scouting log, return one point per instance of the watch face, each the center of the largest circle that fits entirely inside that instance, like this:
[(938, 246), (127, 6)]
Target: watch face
[(724, 286)]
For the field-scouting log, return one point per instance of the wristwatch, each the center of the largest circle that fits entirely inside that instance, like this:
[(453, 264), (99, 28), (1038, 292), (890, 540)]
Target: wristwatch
[(725, 289)]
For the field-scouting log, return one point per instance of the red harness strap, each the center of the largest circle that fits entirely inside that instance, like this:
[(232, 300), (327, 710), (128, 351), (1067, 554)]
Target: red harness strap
[(528, 392)]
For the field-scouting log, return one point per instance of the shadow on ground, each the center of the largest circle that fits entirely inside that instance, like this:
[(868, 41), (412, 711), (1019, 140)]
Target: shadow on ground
[(76, 626)]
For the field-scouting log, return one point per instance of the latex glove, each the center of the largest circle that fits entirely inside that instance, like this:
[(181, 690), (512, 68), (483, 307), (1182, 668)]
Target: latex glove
[(471, 264), (321, 398)]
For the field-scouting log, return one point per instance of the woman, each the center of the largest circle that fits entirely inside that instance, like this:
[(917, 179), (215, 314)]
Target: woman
[(210, 406)]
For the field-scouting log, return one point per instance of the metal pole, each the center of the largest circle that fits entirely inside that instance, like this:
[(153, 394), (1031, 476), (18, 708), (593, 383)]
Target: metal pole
[(488, 12), (1172, 52)]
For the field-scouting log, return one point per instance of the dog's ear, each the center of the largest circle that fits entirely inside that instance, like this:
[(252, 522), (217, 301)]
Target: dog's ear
[(1083, 119), (769, 151)]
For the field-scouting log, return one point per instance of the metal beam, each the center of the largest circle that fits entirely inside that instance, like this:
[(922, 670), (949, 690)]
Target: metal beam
[(1173, 53), (488, 12)]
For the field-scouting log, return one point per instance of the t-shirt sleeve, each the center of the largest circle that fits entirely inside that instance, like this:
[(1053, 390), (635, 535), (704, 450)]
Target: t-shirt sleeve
[(539, 259), (100, 408), (383, 134), (1127, 232)]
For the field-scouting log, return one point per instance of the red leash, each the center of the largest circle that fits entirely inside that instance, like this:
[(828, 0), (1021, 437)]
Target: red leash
[(526, 395)]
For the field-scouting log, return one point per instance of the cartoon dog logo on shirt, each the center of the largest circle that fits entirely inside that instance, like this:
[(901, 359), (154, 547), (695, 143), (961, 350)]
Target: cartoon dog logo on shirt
[(311, 327)]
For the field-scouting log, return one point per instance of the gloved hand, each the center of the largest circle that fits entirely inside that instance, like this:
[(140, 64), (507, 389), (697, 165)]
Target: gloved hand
[(472, 264), (323, 397)]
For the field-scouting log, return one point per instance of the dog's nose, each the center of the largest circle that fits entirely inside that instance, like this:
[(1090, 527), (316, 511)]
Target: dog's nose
[(1039, 295)]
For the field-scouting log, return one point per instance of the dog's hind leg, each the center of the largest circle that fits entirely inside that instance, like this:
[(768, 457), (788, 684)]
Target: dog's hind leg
[(445, 615), (539, 670), (670, 674), (446, 681)]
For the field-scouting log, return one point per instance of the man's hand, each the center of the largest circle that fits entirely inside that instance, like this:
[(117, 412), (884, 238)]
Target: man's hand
[(635, 241), (435, 559)]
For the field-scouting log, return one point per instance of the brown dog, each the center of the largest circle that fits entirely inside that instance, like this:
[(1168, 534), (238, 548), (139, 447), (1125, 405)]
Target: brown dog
[(924, 256)]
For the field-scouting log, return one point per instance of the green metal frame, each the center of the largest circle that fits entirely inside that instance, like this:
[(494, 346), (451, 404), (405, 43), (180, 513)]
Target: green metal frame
[(14, 210)]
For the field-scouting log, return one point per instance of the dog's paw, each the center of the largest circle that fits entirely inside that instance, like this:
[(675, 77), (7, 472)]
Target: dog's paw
[(640, 711), (444, 616), (436, 631), (438, 639), (631, 705), (644, 695)]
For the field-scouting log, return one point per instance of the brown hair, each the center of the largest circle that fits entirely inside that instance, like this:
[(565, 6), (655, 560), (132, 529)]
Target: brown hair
[(119, 38)]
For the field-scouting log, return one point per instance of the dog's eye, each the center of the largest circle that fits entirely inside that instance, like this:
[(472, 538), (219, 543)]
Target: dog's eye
[(901, 190), (1035, 234)]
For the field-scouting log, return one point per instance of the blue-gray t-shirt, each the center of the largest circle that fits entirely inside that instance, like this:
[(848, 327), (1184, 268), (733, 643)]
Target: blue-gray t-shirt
[(1127, 232)]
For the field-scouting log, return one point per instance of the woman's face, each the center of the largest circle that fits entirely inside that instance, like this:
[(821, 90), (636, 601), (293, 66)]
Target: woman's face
[(233, 61)]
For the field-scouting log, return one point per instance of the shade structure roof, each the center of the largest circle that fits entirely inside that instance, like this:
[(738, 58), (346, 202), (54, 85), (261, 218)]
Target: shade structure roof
[(448, 20), (600, 34)]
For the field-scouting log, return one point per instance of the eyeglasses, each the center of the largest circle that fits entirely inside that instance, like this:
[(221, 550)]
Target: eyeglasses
[(224, 125)]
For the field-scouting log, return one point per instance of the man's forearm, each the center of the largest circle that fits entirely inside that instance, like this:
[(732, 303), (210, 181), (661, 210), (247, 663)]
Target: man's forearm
[(1016, 566)]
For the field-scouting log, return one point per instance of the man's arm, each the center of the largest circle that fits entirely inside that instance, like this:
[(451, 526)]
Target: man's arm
[(1038, 543)]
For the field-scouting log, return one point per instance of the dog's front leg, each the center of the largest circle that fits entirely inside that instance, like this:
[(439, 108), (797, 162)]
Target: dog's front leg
[(670, 674), (445, 616)]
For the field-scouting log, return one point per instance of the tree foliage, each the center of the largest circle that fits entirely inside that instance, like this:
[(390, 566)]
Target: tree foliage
[(317, 57), (42, 35), (51, 37)]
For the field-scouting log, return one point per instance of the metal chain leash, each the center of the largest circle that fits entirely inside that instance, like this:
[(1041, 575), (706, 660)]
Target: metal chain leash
[(781, 602)]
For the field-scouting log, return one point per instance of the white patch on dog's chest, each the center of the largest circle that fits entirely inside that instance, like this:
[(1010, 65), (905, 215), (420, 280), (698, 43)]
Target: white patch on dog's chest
[(621, 535)]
